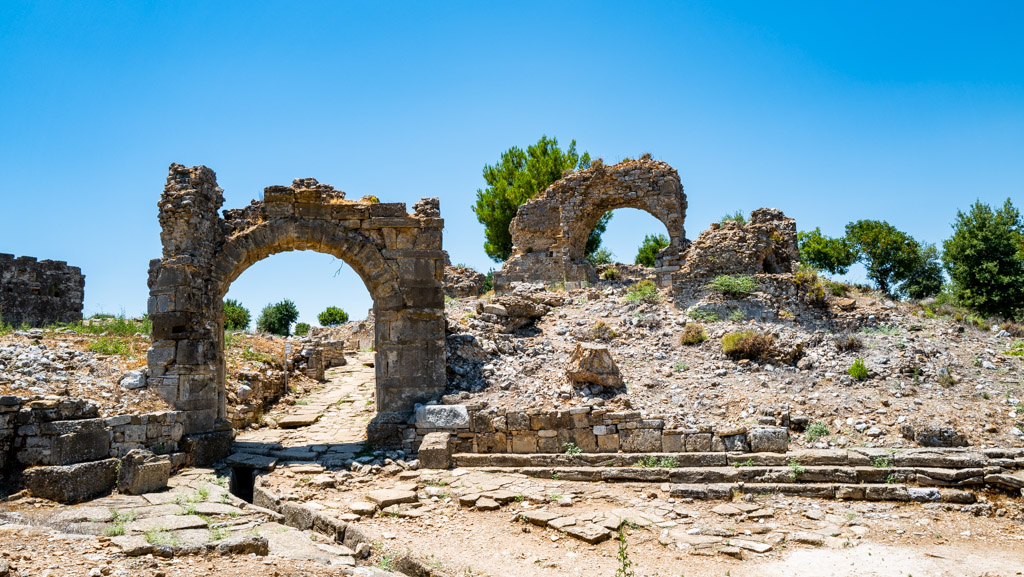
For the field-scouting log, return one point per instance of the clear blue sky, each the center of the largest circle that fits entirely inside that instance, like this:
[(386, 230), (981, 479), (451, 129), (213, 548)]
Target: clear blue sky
[(830, 111)]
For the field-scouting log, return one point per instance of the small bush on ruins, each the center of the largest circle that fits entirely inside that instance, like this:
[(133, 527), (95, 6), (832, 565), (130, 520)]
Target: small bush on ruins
[(693, 334), (857, 370), (734, 285), (236, 317), (610, 274), (1015, 330), (332, 317), (848, 342), (809, 283), (602, 332), (735, 217), (571, 449), (837, 289), (816, 431), (277, 319), (703, 315), (643, 292), (302, 329), (649, 248), (750, 345)]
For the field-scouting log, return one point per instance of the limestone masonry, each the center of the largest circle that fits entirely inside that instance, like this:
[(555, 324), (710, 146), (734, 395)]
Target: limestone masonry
[(398, 255), (39, 292)]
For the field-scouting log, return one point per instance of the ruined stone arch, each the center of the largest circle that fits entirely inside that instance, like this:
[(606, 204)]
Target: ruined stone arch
[(549, 232), (397, 255)]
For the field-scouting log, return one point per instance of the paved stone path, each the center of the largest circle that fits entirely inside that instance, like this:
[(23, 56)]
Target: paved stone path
[(336, 413)]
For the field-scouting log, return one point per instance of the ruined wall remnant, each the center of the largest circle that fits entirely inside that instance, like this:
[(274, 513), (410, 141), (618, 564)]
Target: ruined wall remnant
[(39, 292), (765, 245), (398, 255), (549, 233)]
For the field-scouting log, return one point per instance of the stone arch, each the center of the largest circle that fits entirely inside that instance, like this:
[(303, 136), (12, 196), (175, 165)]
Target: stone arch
[(397, 255), (549, 232)]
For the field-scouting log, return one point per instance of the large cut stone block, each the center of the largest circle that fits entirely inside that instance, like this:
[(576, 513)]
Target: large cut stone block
[(441, 417), (72, 483), (143, 472), (79, 441), (592, 365), (768, 440), (436, 451)]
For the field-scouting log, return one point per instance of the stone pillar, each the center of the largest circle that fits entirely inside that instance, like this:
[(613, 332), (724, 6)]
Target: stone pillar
[(183, 359)]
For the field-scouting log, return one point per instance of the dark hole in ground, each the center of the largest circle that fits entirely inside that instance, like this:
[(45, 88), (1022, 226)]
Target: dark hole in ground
[(242, 482)]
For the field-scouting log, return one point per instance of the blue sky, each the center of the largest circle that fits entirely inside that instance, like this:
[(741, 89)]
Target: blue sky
[(830, 111)]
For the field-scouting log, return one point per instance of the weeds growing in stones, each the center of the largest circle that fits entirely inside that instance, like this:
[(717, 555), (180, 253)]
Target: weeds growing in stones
[(747, 345), (643, 292), (571, 449), (693, 334), (857, 370), (625, 564), (737, 285), (816, 431), (795, 470), (703, 315)]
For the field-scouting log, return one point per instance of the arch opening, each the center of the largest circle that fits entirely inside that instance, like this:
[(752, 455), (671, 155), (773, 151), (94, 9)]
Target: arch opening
[(625, 233)]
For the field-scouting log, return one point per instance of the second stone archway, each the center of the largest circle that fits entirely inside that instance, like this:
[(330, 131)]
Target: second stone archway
[(549, 232)]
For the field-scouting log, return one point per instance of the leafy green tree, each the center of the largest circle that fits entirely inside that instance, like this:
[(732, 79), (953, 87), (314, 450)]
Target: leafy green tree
[(649, 249), (985, 260), (888, 254), (277, 319), (515, 179), (332, 317), (834, 255), (301, 329), (236, 317), (601, 256), (925, 278)]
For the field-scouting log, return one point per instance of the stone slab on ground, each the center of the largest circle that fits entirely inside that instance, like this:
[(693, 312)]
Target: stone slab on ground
[(588, 532), (296, 420), (251, 460), (387, 497), (167, 522)]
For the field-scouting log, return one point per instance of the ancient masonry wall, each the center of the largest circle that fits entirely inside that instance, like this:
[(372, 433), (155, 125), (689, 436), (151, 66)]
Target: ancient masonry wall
[(39, 292), (591, 429), (47, 432)]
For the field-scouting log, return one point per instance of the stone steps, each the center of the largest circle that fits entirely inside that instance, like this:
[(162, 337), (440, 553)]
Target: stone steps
[(945, 475)]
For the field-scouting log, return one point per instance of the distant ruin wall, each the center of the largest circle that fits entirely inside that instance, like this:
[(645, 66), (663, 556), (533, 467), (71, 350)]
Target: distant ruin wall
[(39, 292)]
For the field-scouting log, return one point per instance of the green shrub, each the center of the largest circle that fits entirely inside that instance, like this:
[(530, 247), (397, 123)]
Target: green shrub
[(236, 317), (601, 256), (302, 329), (737, 316), (809, 283), (112, 346), (649, 248), (571, 449), (277, 319), (735, 217), (643, 292), (836, 289), (734, 285), (848, 342), (816, 431), (747, 345), (857, 370), (602, 332), (704, 315), (610, 274), (332, 317), (693, 334)]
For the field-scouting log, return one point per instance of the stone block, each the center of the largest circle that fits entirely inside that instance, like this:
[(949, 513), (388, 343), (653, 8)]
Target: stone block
[(517, 421), (86, 440), (205, 449), (441, 417), (593, 365), (143, 472), (640, 440), (523, 442), (491, 442), (71, 483), (673, 442), (768, 440), (736, 443), (435, 451), (608, 443)]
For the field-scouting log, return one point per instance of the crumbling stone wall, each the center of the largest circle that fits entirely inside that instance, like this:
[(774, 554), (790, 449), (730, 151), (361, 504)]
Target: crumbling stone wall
[(39, 292), (765, 245), (550, 231), (398, 255)]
